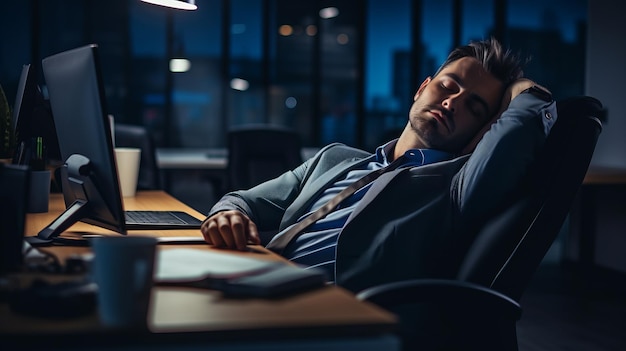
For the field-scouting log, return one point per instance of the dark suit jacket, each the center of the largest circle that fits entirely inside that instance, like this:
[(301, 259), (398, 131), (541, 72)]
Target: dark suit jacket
[(413, 222)]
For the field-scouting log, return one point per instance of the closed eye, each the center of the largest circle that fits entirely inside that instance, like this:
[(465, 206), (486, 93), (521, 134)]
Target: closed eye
[(449, 85), (450, 82)]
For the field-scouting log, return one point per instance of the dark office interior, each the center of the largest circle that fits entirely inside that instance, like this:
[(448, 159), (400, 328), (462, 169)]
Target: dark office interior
[(350, 76)]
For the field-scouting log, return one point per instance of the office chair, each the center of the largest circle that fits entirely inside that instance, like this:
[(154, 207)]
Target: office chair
[(127, 135), (479, 309), (257, 153), (14, 188)]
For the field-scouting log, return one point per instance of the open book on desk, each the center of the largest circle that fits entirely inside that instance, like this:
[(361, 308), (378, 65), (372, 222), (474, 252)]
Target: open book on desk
[(233, 274)]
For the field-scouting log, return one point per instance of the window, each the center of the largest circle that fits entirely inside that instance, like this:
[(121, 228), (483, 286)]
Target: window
[(177, 81), (15, 49), (387, 70), (553, 34), (343, 71), (248, 76)]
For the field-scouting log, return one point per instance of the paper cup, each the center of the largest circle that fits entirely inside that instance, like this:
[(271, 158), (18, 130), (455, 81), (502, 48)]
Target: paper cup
[(128, 161)]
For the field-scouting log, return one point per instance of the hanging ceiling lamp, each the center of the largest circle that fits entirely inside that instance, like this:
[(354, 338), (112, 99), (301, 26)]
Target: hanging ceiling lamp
[(176, 4)]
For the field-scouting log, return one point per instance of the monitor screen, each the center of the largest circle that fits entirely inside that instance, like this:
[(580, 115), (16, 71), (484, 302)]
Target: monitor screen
[(33, 119), (89, 176)]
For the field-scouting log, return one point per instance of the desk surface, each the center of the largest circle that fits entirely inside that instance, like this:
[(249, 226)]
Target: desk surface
[(203, 313), (605, 175)]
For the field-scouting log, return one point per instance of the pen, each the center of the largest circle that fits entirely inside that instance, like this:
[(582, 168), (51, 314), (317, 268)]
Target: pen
[(38, 164), (39, 148)]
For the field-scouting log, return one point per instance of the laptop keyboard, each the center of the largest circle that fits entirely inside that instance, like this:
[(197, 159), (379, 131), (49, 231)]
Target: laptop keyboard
[(153, 217)]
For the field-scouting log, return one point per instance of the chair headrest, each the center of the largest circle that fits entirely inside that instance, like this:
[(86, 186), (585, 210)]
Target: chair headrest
[(511, 244)]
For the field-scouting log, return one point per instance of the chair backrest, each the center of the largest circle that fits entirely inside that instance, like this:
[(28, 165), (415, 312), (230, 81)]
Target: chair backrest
[(14, 188), (257, 153), (127, 135), (509, 247)]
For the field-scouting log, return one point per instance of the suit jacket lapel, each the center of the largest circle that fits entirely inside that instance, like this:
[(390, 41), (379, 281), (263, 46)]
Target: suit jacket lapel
[(438, 168)]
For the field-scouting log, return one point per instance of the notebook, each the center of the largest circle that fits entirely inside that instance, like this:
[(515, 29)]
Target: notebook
[(234, 275), (154, 220)]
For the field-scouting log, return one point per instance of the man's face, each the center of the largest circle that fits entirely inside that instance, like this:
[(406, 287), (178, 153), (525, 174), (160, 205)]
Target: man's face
[(449, 109)]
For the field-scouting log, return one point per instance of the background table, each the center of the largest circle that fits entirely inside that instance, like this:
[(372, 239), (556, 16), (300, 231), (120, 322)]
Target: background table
[(596, 237)]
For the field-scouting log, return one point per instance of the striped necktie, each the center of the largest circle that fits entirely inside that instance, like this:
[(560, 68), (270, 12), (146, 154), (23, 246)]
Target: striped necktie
[(279, 243)]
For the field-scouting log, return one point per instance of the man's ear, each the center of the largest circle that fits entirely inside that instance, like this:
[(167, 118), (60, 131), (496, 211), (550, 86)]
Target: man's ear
[(422, 87)]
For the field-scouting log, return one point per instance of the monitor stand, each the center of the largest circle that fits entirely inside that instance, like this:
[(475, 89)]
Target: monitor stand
[(74, 213), (78, 170)]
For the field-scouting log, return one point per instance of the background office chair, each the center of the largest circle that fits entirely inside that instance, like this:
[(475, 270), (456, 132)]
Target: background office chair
[(257, 153), (127, 135), (14, 188), (480, 308)]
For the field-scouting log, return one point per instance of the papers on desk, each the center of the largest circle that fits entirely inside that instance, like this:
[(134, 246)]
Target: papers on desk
[(192, 265), (233, 274)]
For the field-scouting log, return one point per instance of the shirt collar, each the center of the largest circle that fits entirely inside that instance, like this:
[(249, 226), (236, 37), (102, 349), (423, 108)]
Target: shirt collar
[(414, 157)]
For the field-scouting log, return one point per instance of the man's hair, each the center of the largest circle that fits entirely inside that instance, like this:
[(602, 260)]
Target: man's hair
[(502, 64)]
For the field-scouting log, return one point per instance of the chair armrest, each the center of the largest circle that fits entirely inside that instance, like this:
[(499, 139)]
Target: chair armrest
[(459, 295)]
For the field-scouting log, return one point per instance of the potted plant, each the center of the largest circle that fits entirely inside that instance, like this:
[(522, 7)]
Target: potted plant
[(7, 137)]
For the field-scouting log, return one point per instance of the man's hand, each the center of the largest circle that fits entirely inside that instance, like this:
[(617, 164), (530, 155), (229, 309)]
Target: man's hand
[(230, 229)]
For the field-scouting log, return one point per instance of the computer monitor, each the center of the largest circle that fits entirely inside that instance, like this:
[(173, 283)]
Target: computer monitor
[(32, 118), (89, 176)]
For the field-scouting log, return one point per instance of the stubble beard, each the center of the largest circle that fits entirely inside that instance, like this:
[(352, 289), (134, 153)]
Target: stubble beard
[(425, 129)]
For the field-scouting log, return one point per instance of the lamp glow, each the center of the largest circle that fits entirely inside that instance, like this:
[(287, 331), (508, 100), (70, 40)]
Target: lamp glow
[(329, 12), (239, 84), (176, 4), (179, 65)]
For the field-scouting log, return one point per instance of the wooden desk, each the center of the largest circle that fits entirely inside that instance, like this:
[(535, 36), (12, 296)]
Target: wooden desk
[(182, 315), (605, 175), (590, 209)]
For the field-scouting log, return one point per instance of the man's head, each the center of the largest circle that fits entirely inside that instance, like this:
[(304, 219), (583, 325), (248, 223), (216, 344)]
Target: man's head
[(451, 107)]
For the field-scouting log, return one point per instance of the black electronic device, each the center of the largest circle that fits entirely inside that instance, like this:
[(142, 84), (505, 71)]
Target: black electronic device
[(32, 119), (89, 176), (62, 300), (281, 281)]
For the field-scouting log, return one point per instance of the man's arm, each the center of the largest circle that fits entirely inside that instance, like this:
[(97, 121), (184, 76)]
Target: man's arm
[(511, 92), (232, 222), (502, 157), (239, 216)]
